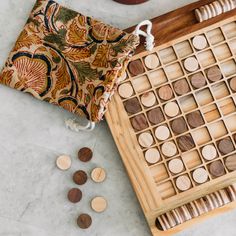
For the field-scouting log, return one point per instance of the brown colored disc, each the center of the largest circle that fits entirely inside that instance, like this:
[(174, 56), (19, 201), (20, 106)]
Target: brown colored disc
[(230, 162), (139, 122), (85, 154), (155, 116), (136, 67), (84, 221), (225, 146), (214, 74), (181, 87), (232, 84), (80, 177), (195, 119), (165, 93), (216, 168), (74, 195), (185, 143), (132, 106), (131, 2), (179, 125), (198, 80)]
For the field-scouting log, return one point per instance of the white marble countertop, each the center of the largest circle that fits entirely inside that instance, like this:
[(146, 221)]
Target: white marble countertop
[(32, 191)]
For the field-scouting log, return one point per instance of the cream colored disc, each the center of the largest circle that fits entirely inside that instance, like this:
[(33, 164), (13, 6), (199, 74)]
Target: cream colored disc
[(98, 175), (145, 139), (200, 175), (191, 64), (183, 183), (125, 90), (148, 99), (151, 61), (152, 156), (171, 109), (199, 42), (99, 204), (162, 133), (63, 162), (176, 166), (169, 149), (209, 152)]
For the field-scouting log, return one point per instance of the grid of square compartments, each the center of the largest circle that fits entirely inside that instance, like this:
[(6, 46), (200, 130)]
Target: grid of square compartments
[(181, 104)]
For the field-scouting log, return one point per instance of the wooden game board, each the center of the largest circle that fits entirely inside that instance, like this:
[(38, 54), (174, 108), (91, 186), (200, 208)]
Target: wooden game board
[(174, 122)]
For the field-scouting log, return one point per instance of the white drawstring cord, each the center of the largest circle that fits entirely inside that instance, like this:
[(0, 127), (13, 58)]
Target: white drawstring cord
[(149, 45), (75, 126)]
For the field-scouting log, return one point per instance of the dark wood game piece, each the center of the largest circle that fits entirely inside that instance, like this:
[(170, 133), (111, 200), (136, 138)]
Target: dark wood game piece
[(165, 93), (216, 168), (74, 195), (225, 146), (185, 143), (181, 87), (132, 106), (214, 74), (198, 80), (179, 125), (230, 162), (85, 154), (232, 84), (84, 221), (155, 116), (136, 67), (80, 177), (195, 119), (139, 122)]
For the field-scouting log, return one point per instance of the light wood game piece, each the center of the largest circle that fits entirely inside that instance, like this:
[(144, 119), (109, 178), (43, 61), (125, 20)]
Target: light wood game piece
[(151, 61), (126, 90), (99, 204), (145, 139), (181, 87), (225, 146), (233, 84), (63, 162), (148, 99), (171, 109), (209, 13), (171, 219), (183, 183), (199, 42), (214, 74), (204, 13), (165, 93), (198, 80), (230, 162), (191, 64), (198, 15), (217, 169), (179, 125), (224, 5), (162, 133), (213, 11), (209, 152), (195, 119), (136, 67), (185, 143), (224, 196), (155, 116), (218, 7), (152, 156), (139, 122), (232, 4), (132, 106), (169, 149), (200, 175), (98, 175), (176, 166)]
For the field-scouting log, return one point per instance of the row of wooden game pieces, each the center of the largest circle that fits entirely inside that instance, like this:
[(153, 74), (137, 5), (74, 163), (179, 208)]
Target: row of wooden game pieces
[(214, 9), (196, 208)]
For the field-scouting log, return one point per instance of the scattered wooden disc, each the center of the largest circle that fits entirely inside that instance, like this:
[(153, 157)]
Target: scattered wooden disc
[(198, 80), (195, 119), (191, 64), (63, 162), (230, 162), (152, 156), (145, 139), (217, 169), (139, 122), (169, 149), (181, 87), (165, 92), (84, 221), (151, 61), (176, 166), (74, 195), (99, 204), (171, 109), (200, 175), (148, 99), (232, 84), (80, 177), (199, 42), (185, 143), (225, 146), (162, 133), (209, 152), (132, 106), (155, 116), (214, 74), (85, 154), (136, 67), (179, 125), (98, 175), (183, 183), (125, 90)]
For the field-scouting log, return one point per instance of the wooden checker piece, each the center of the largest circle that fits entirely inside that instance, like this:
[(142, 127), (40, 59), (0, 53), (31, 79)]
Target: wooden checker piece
[(209, 152), (226, 146), (185, 143), (132, 106), (198, 80), (84, 221), (191, 64), (171, 109), (181, 87), (74, 195), (99, 204), (155, 116), (162, 133), (85, 154), (63, 162), (151, 61), (136, 67), (232, 84), (195, 119), (152, 156), (125, 90), (148, 99), (98, 175), (165, 92), (139, 122), (230, 162), (199, 42), (217, 169), (80, 177), (145, 139), (179, 125), (214, 74), (176, 166), (200, 175), (169, 149), (183, 183)]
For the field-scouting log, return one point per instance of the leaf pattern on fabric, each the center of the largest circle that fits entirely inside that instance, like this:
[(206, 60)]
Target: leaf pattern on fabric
[(77, 54), (6, 76), (101, 58)]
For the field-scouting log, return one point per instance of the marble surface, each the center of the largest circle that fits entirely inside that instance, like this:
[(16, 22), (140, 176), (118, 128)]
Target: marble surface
[(32, 191)]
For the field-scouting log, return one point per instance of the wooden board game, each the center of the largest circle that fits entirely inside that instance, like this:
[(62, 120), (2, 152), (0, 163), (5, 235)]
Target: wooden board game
[(174, 121)]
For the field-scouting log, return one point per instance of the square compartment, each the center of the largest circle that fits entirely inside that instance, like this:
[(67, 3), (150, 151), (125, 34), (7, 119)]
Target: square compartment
[(220, 90), (217, 129), (232, 45), (230, 30), (227, 106), (211, 113), (157, 77), (183, 49), (222, 52), (231, 123), (206, 58), (167, 55), (187, 103), (215, 36), (174, 71), (228, 68), (141, 83), (159, 172), (166, 190), (204, 97), (201, 136), (192, 159)]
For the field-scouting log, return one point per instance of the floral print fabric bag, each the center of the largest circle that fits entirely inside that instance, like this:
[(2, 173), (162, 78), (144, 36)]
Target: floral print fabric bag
[(68, 59)]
